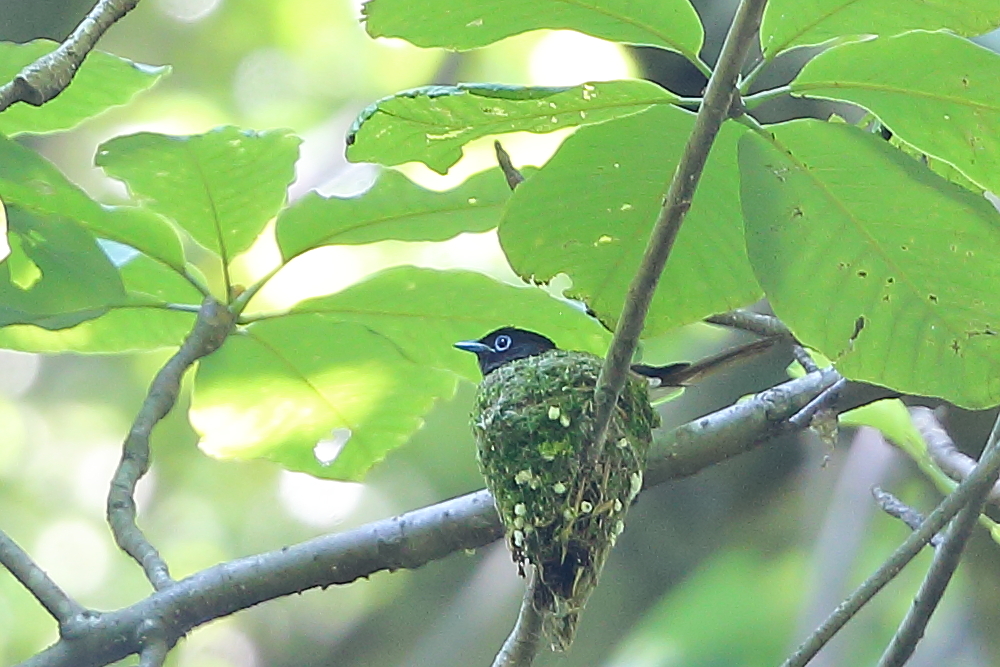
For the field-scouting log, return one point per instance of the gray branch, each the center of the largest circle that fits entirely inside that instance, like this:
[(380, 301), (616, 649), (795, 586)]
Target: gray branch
[(895, 507), (48, 76), (407, 541), (943, 451), (214, 323), (61, 606), (716, 107), (946, 558), (524, 641)]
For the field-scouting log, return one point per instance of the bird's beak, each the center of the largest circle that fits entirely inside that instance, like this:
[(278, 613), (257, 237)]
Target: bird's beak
[(473, 346)]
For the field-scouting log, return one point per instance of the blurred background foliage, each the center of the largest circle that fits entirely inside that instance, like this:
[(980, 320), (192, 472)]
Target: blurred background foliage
[(731, 567)]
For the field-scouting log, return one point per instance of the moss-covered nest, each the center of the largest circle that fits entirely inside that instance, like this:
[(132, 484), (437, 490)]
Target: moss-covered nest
[(532, 421)]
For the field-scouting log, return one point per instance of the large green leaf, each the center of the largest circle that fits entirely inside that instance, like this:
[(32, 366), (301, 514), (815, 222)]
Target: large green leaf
[(102, 82), (588, 213), (56, 275), (936, 91), (32, 183), (790, 23), (222, 186), (431, 124), (277, 389), (845, 232), (424, 311), (394, 208), (123, 328), (468, 24)]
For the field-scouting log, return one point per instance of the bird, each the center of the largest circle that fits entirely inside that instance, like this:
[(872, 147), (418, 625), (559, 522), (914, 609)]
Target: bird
[(509, 343), (532, 421)]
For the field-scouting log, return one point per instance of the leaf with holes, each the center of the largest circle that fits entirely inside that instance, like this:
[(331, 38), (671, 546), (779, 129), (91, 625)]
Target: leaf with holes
[(589, 212), (282, 386), (143, 324), (469, 24), (941, 94), (876, 261), (394, 208), (424, 311), (56, 275), (431, 124), (790, 23), (221, 187)]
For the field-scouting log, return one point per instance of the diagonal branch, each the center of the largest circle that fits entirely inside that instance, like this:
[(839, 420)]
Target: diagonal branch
[(61, 606), (406, 541), (719, 98), (214, 323), (946, 558), (48, 76), (971, 491)]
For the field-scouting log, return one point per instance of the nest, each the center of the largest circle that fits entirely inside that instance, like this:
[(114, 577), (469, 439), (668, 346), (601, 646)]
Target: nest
[(532, 421)]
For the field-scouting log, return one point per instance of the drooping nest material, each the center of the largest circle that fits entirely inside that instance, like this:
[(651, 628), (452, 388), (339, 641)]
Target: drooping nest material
[(532, 421)]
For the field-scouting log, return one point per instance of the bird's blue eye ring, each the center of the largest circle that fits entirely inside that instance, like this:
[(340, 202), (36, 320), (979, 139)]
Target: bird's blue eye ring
[(502, 343)]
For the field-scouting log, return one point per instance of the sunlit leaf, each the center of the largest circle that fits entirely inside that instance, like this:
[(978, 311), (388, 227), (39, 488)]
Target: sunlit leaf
[(56, 275), (790, 23), (121, 329), (589, 212), (424, 311), (941, 94), (431, 124), (102, 82), (283, 385), (876, 261), (468, 24), (222, 186), (394, 208), (32, 183)]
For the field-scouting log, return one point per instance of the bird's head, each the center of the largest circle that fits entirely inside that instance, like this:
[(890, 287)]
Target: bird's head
[(507, 344)]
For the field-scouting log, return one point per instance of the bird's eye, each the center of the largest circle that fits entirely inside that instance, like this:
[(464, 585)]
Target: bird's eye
[(502, 343)]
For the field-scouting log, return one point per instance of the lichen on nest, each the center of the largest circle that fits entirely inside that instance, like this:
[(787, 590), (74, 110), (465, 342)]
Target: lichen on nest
[(532, 421)]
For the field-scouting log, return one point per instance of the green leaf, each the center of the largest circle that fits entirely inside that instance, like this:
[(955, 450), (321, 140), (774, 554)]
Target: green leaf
[(431, 124), (285, 384), (221, 187), (32, 183), (468, 24), (394, 208), (589, 212), (121, 329), (842, 226), (424, 311), (790, 23), (56, 275), (102, 82), (936, 91)]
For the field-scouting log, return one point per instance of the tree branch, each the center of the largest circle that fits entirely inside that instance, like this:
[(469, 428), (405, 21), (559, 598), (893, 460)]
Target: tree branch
[(48, 76), (966, 493), (719, 97), (523, 642), (61, 606), (895, 507), (214, 323), (946, 558), (406, 541), (943, 452)]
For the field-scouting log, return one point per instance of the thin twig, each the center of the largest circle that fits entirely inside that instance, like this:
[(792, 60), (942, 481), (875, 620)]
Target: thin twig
[(61, 606), (214, 323), (895, 507), (719, 97), (48, 76), (946, 559), (510, 172), (524, 641), (942, 450), (822, 402), (764, 325), (981, 479)]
